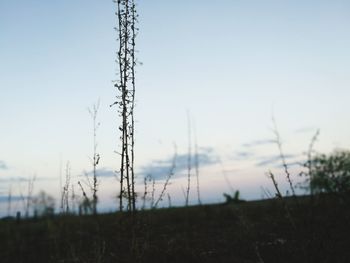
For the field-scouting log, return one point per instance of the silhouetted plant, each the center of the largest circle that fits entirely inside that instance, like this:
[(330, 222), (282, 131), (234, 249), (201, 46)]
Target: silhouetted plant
[(153, 190), (189, 160), (85, 205), (127, 18), (233, 198), (65, 192), (196, 163), (166, 183), (278, 141), (266, 193), (278, 192), (169, 200), (145, 192), (280, 197), (330, 173), (308, 163), (96, 156), (73, 199)]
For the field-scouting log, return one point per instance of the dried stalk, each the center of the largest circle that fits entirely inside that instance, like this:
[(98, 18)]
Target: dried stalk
[(96, 156), (196, 163), (170, 174), (153, 191), (86, 201), (127, 18), (189, 161), (145, 193), (279, 196), (282, 156), (65, 192)]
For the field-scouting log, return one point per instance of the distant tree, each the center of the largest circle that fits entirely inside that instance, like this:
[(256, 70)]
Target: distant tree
[(43, 204), (330, 173)]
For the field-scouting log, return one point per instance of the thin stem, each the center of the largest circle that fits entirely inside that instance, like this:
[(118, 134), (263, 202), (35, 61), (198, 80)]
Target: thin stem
[(170, 174), (196, 162), (282, 156), (188, 159)]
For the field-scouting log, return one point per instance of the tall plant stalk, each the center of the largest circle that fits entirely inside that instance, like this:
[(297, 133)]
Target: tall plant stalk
[(167, 181), (189, 160), (65, 192), (127, 19), (196, 162), (96, 156), (278, 141)]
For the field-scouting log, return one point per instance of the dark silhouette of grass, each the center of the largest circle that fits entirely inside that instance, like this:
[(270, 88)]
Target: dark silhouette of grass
[(253, 231)]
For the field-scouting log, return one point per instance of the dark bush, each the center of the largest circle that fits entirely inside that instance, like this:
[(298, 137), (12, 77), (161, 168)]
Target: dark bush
[(330, 173)]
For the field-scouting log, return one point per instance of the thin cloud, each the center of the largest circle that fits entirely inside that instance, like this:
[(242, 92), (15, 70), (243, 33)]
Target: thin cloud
[(258, 143), (25, 179), (305, 130), (242, 155), (291, 164), (13, 179), (159, 169), (105, 172), (272, 160), (5, 198), (102, 172)]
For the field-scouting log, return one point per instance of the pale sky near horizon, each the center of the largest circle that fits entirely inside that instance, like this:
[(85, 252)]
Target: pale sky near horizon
[(230, 63)]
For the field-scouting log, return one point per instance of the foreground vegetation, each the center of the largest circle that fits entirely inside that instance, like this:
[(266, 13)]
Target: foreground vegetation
[(258, 231)]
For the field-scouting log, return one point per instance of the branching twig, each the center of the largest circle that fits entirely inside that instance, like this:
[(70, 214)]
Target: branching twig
[(282, 156), (279, 196), (170, 174)]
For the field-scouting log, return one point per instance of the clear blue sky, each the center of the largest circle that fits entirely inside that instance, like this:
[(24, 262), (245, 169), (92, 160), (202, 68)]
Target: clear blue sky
[(231, 63)]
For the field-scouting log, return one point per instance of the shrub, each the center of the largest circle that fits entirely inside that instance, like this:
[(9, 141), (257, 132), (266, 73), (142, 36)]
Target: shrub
[(330, 173)]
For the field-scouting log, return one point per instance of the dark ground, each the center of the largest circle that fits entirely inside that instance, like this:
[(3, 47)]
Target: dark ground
[(304, 230)]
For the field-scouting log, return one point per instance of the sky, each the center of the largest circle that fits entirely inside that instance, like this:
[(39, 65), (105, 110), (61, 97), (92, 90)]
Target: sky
[(231, 64)]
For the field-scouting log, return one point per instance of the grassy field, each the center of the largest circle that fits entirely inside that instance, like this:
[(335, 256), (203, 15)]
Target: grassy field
[(300, 230)]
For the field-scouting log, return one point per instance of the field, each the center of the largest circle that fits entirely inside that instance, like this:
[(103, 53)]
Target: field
[(294, 230)]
